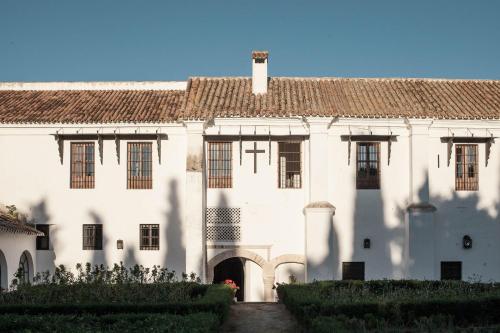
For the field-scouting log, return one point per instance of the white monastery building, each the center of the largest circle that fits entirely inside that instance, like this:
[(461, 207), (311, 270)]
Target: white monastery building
[(257, 179)]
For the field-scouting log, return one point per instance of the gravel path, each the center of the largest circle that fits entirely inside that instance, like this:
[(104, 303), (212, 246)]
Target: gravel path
[(260, 317)]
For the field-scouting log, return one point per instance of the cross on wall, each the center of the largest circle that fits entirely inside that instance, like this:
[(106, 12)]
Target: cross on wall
[(255, 151)]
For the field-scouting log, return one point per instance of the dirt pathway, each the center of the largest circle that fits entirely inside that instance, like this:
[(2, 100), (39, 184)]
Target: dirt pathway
[(260, 317)]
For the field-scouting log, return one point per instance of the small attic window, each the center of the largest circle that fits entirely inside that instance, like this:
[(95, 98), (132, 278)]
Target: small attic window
[(260, 60)]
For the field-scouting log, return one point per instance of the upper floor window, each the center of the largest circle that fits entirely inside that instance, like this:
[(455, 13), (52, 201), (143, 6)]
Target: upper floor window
[(92, 236), (220, 164), (368, 165), (140, 165), (42, 242), (150, 237), (82, 165), (466, 168), (289, 164)]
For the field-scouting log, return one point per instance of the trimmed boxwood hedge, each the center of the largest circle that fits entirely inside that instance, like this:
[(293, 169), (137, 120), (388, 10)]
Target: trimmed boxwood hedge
[(215, 299), (201, 322), (392, 303)]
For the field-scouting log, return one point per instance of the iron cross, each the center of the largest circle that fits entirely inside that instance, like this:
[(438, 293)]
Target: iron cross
[(255, 151)]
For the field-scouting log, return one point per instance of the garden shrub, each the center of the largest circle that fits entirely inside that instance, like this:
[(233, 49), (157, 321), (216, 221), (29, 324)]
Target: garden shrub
[(131, 322), (333, 304)]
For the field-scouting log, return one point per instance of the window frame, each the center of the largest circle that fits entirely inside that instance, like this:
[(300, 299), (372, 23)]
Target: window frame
[(98, 237), (368, 182), (149, 237), (464, 182), (141, 181), (221, 155), (80, 179), (346, 276), (299, 161), (45, 228)]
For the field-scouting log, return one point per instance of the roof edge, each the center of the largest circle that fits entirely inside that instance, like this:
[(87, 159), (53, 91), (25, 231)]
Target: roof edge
[(95, 85)]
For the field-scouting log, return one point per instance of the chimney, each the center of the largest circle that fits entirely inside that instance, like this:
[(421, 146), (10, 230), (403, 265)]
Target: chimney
[(259, 72)]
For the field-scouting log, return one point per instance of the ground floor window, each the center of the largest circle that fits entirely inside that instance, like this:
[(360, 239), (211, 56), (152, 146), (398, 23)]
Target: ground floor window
[(451, 270), (92, 236), (42, 242), (150, 237), (353, 270)]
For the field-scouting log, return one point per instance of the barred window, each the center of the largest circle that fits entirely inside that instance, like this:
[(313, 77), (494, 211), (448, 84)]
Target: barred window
[(82, 165), (92, 236), (353, 271), (220, 164), (140, 165), (289, 164), (368, 166), (451, 270), (149, 237), (466, 171), (42, 242)]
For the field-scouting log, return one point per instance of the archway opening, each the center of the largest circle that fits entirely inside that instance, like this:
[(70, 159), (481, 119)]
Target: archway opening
[(4, 283), (231, 269), (25, 267)]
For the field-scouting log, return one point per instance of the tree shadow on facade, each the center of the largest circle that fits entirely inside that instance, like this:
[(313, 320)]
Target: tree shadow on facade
[(175, 258), (45, 258), (99, 256), (370, 224)]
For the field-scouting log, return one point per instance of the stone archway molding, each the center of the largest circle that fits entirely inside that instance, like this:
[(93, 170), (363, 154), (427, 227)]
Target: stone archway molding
[(268, 267), (241, 253)]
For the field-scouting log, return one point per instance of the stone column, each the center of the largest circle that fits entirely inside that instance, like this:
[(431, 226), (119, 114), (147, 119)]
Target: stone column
[(194, 211), (318, 213), (268, 288)]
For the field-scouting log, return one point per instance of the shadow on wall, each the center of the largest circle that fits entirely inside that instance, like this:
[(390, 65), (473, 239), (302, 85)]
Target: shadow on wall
[(370, 221), (99, 256), (175, 258), (46, 259), (459, 215)]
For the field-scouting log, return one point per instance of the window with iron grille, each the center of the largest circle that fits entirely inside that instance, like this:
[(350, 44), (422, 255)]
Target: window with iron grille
[(82, 165), (220, 164), (140, 165), (451, 270), (368, 165), (150, 236), (289, 164), (42, 242), (353, 270), (92, 236), (466, 168)]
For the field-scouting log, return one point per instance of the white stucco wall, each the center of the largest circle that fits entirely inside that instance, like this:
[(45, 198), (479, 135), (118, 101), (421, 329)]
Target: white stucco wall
[(12, 246), (272, 219), (33, 178)]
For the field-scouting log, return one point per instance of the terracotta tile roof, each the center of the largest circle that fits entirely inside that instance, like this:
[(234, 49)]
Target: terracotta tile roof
[(89, 106), (13, 225), (347, 97), (206, 98)]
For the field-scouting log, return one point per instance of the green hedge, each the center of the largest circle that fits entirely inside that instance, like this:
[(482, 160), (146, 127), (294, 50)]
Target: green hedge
[(95, 293), (197, 323), (392, 303), (207, 298)]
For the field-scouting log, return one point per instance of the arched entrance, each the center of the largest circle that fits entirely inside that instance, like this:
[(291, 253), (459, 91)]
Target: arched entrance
[(4, 283), (231, 269), (25, 267)]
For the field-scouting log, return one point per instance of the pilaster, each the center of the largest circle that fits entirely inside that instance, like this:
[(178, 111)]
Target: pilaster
[(194, 200)]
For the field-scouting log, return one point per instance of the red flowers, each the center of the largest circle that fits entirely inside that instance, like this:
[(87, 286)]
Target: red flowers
[(231, 284)]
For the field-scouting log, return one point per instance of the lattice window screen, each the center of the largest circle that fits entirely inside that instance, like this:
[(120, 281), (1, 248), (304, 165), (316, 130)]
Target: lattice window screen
[(223, 224)]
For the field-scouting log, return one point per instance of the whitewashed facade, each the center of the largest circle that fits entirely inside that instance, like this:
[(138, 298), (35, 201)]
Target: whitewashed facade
[(414, 221)]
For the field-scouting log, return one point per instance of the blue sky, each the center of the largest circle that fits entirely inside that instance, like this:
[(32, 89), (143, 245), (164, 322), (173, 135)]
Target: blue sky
[(108, 40)]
